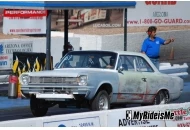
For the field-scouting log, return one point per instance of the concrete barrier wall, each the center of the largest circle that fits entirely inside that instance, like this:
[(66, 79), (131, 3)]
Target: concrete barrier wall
[(90, 42), (110, 118), (111, 42), (134, 42)]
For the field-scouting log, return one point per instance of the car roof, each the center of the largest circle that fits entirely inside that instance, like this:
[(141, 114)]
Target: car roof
[(118, 52)]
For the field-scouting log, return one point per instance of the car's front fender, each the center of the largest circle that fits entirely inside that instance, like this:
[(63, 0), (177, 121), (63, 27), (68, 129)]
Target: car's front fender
[(101, 79)]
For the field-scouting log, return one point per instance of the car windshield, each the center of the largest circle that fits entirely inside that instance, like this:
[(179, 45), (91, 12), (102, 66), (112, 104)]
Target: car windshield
[(88, 59)]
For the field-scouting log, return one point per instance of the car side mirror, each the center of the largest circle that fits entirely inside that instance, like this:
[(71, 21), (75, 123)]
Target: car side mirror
[(120, 69)]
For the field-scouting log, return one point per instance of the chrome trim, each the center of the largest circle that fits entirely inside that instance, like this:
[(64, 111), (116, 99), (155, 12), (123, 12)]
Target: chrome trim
[(53, 80)]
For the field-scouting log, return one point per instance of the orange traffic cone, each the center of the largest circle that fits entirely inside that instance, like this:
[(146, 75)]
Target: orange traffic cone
[(171, 57)]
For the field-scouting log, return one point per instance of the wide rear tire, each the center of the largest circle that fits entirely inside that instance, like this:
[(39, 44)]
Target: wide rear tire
[(160, 98)]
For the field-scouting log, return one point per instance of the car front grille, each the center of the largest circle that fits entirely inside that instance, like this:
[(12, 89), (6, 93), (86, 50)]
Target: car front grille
[(50, 80)]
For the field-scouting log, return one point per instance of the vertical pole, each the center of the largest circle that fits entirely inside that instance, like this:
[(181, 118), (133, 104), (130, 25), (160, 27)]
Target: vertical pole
[(48, 40), (66, 30), (125, 29)]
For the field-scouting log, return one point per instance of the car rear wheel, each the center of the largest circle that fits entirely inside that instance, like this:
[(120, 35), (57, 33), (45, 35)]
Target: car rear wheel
[(160, 98), (101, 101), (37, 107)]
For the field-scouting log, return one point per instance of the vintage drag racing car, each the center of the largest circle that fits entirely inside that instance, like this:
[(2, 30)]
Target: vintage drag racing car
[(99, 80)]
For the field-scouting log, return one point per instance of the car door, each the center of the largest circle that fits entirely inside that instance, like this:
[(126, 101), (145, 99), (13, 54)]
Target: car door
[(154, 81), (131, 83)]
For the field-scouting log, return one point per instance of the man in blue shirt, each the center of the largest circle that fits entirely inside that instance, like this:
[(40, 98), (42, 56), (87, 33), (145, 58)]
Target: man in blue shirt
[(151, 45)]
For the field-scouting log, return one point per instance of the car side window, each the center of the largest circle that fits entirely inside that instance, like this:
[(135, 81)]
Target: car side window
[(142, 65), (104, 60), (127, 62)]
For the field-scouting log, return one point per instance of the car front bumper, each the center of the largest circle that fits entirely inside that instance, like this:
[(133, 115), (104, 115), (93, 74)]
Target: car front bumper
[(57, 92)]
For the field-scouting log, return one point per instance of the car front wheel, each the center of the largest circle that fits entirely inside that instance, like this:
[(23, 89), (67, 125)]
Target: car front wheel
[(101, 101), (37, 107)]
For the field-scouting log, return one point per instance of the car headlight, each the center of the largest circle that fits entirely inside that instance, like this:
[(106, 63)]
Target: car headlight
[(82, 80), (25, 79)]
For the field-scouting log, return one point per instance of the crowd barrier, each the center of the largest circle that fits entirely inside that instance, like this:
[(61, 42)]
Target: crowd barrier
[(109, 118)]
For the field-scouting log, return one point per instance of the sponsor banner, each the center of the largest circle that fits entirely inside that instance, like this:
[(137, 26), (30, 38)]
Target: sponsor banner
[(118, 119), (182, 119), (146, 13), (24, 21), (25, 13), (5, 61), (92, 14), (159, 13), (83, 16), (7, 49), (88, 15), (80, 122), (10, 47)]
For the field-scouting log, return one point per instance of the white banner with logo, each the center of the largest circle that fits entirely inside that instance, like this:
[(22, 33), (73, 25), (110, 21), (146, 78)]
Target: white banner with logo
[(24, 21), (159, 13), (80, 122), (118, 119), (7, 49), (5, 61), (182, 118), (110, 118)]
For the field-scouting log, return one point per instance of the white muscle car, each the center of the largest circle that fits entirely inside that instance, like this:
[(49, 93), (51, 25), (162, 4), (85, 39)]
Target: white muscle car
[(99, 80)]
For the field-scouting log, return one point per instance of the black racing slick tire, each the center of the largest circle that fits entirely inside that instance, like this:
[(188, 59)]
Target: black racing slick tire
[(37, 108)]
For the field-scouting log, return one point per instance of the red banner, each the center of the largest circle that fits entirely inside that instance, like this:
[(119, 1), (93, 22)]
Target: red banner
[(24, 13)]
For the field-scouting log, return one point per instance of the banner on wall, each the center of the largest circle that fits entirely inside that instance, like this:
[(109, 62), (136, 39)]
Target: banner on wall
[(81, 122), (5, 61), (88, 15), (159, 13), (118, 119), (183, 117), (21, 21), (81, 17), (146, 13), (8, 48)]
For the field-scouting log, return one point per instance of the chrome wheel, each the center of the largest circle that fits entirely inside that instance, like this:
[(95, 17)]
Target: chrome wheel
[(103, 103), (100, 102)]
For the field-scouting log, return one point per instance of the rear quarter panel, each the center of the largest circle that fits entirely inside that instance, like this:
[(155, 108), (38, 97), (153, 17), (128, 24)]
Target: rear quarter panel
[(158, 81)]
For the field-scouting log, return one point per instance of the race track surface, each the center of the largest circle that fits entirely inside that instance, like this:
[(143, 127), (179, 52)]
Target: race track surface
[(12, 109)]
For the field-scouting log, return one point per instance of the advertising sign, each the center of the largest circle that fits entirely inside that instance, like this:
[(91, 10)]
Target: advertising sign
[(182, 117), (24, 21), (159, 13), (5, 61), (89, 15), (8, 48), (81, 17), (80, 122), (119, 119)]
